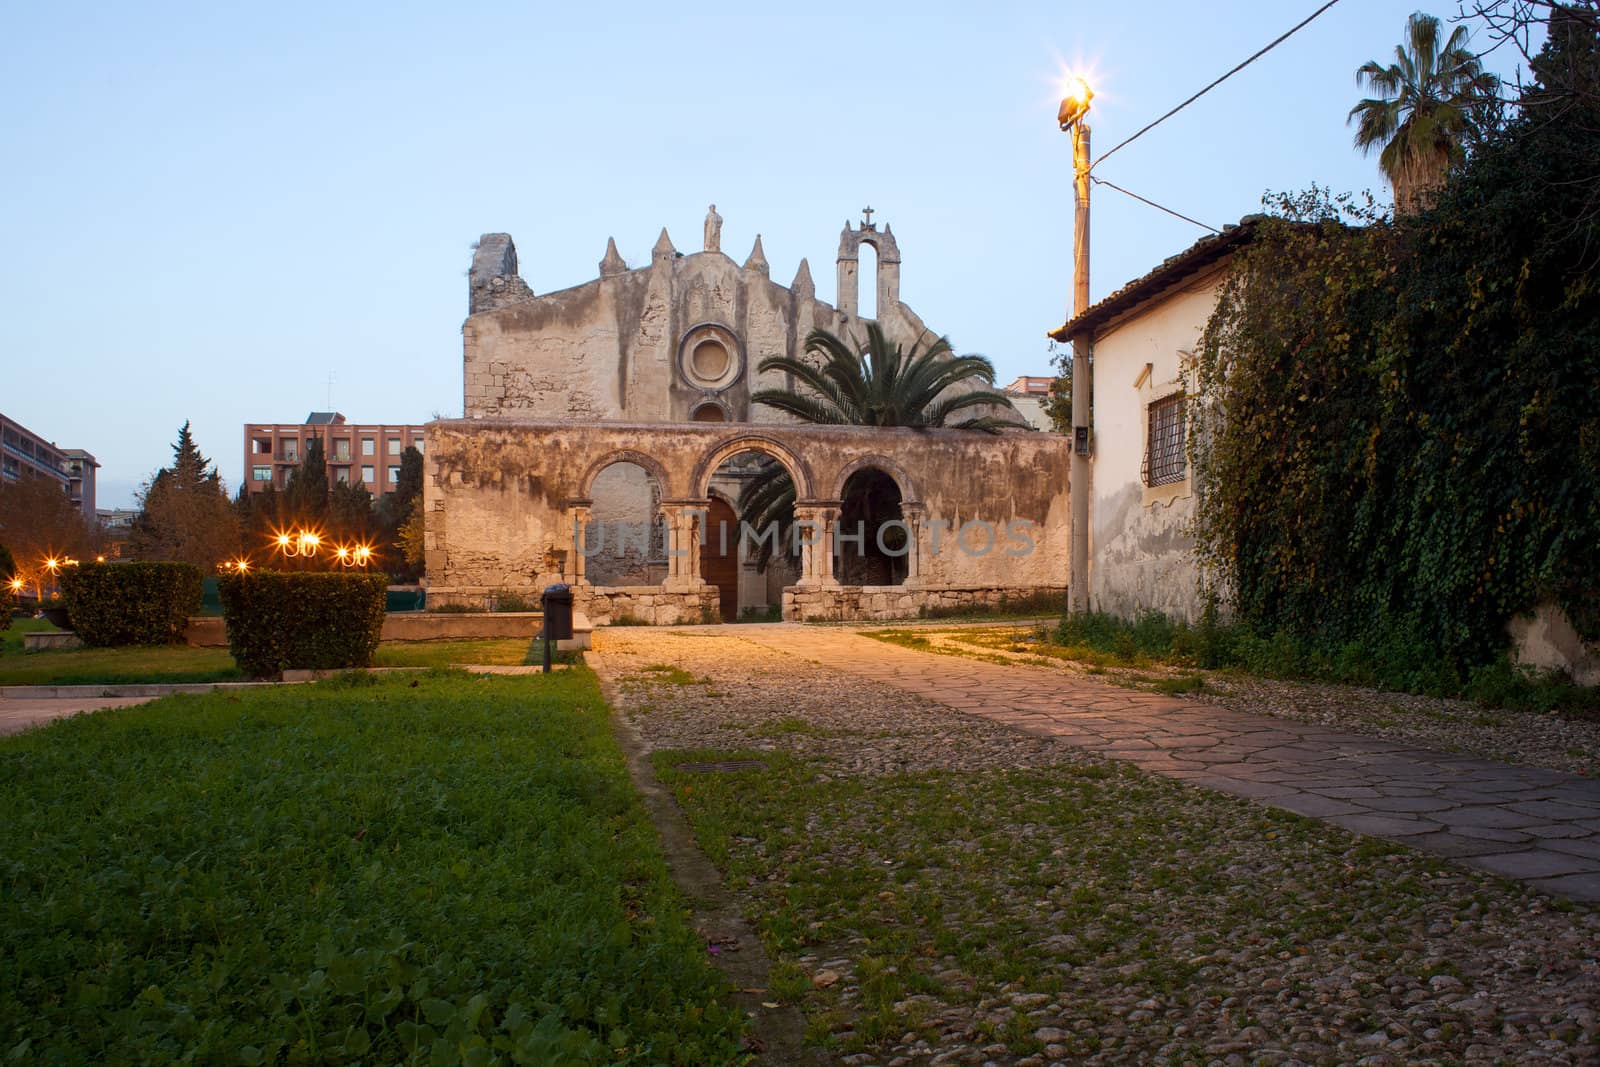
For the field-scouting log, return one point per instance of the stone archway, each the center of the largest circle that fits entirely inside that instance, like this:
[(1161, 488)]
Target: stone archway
[(902, 481), (729, 447), (623, 455)]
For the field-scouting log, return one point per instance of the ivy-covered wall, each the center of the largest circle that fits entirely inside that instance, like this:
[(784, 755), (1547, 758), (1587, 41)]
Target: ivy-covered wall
[(1403, 449)]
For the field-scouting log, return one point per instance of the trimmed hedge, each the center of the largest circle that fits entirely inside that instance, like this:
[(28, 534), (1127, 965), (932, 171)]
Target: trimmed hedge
[(278, 621), (130, 603)]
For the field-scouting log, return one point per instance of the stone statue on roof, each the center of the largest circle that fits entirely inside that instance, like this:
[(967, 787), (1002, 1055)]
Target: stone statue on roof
[(713, 230)]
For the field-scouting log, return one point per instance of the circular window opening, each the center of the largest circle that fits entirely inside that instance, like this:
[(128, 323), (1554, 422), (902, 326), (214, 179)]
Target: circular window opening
[(709, 360), (709, 413), (710, 357)]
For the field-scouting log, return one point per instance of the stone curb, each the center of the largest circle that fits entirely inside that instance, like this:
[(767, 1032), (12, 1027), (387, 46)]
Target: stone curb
[(90, 692), (87, 692)]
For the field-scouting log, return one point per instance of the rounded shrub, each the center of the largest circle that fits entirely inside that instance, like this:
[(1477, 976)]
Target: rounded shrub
[(130, 603), (278, 622)]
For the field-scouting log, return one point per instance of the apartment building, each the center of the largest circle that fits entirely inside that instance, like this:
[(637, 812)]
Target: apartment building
[(116, 530), (24, 454), (361, 453), (81, 467), (1029, 395)]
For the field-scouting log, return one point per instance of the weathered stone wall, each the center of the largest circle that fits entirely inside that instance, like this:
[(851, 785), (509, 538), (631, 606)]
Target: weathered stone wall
[(1141, 548), (1545, 639), (502, 496), (613, 348), (869, 602), (625, 512), (647, 604)]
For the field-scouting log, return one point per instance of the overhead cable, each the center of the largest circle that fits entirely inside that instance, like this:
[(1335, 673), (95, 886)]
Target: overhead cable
[(1143, 200), (1275, 43)]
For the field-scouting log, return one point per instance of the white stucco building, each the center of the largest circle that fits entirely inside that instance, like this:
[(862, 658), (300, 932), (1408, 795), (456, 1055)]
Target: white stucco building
[(1144, 337)]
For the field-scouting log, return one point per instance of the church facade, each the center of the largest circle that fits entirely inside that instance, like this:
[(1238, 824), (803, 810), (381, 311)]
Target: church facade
[(609, 432), (677, 340)]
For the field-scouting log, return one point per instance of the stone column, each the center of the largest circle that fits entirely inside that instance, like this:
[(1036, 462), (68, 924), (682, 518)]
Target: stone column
[(807, 531), (830, 527), (912, 513), (670, 519), (578, 516), (694, 534), (683, 521), (815, 522)]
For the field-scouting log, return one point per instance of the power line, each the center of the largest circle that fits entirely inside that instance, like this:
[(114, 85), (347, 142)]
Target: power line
[(1101, 181), (1283, 37)]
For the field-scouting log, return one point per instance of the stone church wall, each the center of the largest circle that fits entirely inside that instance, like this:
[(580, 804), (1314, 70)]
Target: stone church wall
[(986, 514), (657, 355), (621, 346)]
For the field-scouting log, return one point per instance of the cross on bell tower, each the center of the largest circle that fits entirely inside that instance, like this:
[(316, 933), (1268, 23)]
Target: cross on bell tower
[(866, 217)]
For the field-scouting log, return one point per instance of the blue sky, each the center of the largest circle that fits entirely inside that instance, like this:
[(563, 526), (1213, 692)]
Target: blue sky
[(207, 209)]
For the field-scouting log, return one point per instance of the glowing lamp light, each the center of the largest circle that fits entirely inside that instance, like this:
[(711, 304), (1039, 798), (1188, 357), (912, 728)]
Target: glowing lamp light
[(352, 556), (1075, 98), (17, 584), (295, 543), (99, 559), (304, 543), (52, 564)]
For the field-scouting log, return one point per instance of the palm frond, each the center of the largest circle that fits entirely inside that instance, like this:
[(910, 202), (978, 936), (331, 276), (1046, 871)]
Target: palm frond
[(805, 408)]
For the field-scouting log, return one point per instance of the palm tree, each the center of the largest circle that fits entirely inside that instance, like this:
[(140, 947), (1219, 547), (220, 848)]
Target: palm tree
[(875, 383), (1421, 110), (881, 384)]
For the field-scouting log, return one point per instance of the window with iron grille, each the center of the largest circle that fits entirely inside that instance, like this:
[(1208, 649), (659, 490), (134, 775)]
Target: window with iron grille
[(1164, 461)]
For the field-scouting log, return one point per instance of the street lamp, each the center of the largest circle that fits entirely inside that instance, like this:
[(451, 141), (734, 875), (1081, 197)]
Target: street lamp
[(1074, 109), (52, 566)]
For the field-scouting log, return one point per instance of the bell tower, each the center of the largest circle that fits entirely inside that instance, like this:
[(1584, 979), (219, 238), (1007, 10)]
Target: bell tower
[(887, 283)]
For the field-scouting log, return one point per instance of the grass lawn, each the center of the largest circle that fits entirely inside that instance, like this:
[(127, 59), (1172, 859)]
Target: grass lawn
[(421, 868), (181, 663)]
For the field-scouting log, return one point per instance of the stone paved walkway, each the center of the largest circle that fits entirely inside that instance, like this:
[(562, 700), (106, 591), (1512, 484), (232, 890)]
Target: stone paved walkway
[(1538, 825), (19, 713)]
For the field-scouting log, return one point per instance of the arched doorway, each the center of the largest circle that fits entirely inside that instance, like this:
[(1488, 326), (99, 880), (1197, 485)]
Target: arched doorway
[(719, 555), (758, 479), (873, 544)]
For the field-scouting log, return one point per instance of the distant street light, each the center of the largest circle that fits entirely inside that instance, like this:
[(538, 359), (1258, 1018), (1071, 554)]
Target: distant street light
[(1074, 109)]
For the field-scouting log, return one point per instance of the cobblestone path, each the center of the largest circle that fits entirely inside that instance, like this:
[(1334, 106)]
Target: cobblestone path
[(1542, 826)]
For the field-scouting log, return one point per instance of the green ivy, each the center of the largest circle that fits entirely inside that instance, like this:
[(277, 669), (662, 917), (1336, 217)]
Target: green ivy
[(279, 622), (1402, 433), (130, 603)]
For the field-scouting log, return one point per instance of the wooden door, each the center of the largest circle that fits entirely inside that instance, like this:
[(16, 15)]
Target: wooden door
[(719, 555)]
